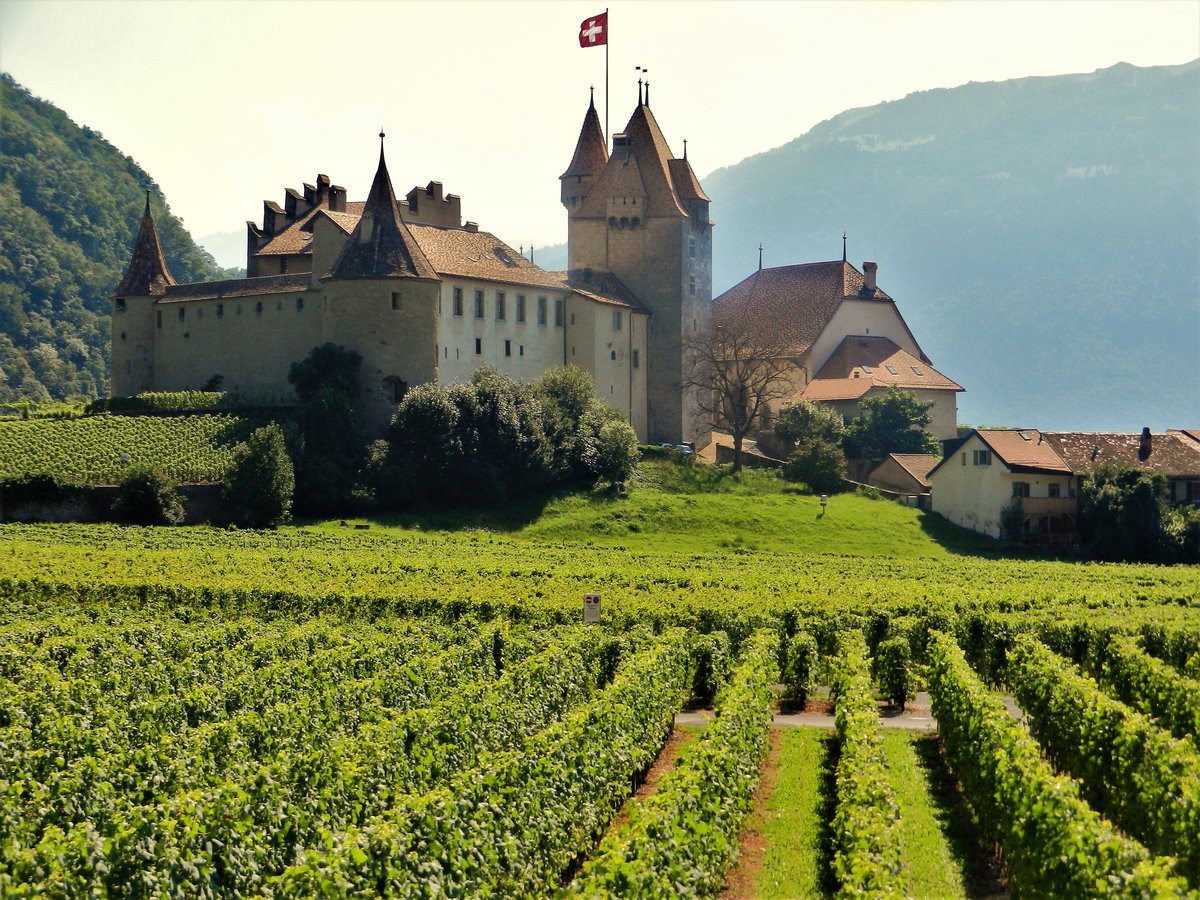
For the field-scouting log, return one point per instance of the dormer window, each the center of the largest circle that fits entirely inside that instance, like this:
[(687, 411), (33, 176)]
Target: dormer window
[(620, 140), (891, 370)]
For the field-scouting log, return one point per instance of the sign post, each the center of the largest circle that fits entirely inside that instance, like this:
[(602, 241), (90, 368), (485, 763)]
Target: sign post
[(591, 609)]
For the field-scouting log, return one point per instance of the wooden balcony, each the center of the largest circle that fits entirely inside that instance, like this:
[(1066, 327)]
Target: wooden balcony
[(1049, 506)]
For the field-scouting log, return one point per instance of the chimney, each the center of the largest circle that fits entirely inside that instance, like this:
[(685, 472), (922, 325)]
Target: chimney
[(869, 271), (1144, 445)]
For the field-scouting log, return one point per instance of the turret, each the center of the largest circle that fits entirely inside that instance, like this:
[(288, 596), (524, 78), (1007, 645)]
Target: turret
[(133, 324), (589, 160)]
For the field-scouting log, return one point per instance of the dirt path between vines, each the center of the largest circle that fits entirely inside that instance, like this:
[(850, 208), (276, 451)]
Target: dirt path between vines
[(739, 880), (663, 764)]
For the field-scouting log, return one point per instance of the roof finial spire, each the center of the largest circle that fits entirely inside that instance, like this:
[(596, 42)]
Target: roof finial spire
[(147, 202), (647, 91), (685, 148), (760, 256), (642, 70), (843, 246)]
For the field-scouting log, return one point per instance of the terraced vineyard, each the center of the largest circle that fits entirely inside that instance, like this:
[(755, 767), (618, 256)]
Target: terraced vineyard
[(89, 450), (191, 712)]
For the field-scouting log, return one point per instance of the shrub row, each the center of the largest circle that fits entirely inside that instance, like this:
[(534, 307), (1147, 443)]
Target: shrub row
[(1129, 768), (513, 825), (1054, 843), (866, 820), (801, 666), (155, 401), (680, 841), (1150, 685)]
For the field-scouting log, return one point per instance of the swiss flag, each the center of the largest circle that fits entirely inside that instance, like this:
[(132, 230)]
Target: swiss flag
[(593, 31)]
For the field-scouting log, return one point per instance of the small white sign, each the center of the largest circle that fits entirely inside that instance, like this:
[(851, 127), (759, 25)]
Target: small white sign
[(591, 608)]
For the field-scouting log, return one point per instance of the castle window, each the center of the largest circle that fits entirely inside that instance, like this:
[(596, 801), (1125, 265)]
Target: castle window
[(500, 304), (522, 349), (458, 305), (691, 246), (158, 317), (572, 318), (692, 285), (182, 312), (122, 335), (283, 266), (278, 306), (520, 307), (120, 304), (258, 308), (478, 346), (220, 310), (612, 354), (299, 304), (616, 320), (508, 348), (395, 300), (541, 310), (479, 304), (559, 309), (636, 359)]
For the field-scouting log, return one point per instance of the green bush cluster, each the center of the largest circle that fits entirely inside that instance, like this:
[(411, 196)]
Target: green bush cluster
[(148, 497), (892, 669), (1124, 516), (1130, 769), (1151, 685), (259, 485), (712, 659), (679, 842), (866, 820), (1055, 843), (801, 667), (155, 401)]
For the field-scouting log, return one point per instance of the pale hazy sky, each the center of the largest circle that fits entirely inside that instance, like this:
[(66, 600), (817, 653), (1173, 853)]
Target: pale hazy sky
[(227, 103)]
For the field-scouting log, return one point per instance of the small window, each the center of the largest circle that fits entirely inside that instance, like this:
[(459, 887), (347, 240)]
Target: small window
[(964, 459), (278, 306), (616, 320), (1020, 489), (868, 370), (478, 346), (220, 310), (258, 308), (572, 318), (299, 304), (458, 305), (916, 370), (1053, 489), (983, 457), (691, 246), (182, 311), (508, 348), (199, 312), (522, 349), (612, 354), (501, 302), (120, 304), (479, 304), (559, 310), (692, 285), (520, 307), (541, 310), (395, 300), (636, 359), (122, 335), (891, 370), (283, 266)]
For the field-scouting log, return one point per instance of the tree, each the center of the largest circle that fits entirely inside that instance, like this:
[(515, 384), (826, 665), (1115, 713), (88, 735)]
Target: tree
[(804, 419), (148, 497), (1123, 514), (260, 483), (737, 368), (329, 447), (812, 436), (890, 422), (591, 441)]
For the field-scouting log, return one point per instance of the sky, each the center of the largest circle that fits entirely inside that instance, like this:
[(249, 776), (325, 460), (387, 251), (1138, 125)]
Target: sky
[(225, 104)]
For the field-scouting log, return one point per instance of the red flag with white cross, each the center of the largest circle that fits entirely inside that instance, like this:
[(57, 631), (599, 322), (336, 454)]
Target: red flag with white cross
[(593, 31)]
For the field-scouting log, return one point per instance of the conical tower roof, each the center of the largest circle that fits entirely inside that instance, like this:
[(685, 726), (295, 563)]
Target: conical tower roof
[(147, 274), (381, 245), (590, 151)]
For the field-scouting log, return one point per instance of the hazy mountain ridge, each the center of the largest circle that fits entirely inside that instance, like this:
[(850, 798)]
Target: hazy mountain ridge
[(70, 204), (1040, 236)]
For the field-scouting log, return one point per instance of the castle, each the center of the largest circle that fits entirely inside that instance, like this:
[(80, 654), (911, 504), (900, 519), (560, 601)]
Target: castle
[(425, 297)]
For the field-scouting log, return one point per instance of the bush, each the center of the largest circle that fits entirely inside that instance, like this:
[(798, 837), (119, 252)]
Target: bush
[(818, 463), (148, 497), (1012, 521), (1124, 517), (801, 667), (260, 483), (891, 422), (891, 667), (155, 401)]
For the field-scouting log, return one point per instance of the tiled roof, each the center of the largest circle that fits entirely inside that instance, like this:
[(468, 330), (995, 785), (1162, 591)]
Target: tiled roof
[(297, 237), (147, 274), (685, 180), (873, 359), (238, 287), (1024, 450), (590, 151), (836, 388), (918, 465), (1171, 454), (1190, 433), (649, 153), (459, 253), (604, 287), (381, 245), (795, 301)]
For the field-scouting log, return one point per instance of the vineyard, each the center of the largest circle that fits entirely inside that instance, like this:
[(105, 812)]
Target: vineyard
[(103, 449), (324, 712)]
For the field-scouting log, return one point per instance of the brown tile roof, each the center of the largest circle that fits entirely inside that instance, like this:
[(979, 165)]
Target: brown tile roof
[(796, 301), (147, 274), (297, 237), (1024, 450), (648, 155), (1190, 433), (459, 253), (918, 465), (836, 388), (604, 287), (685, 180), (239, 287), (873, 359), (590, 151), (1171, 454), (381, 245)]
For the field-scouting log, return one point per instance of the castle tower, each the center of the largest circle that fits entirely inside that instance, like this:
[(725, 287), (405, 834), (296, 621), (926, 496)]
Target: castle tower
[(133, 323), (382, 297), (641, 215)]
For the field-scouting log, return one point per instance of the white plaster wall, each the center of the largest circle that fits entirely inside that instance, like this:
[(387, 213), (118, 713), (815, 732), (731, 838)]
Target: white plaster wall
[(868, 317), (969, 495)]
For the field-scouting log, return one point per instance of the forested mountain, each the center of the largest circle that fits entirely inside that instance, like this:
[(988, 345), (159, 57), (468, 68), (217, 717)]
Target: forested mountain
[(70, 204), (1041, 236)]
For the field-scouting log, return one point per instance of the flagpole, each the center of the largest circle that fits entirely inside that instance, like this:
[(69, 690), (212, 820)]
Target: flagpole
[(607, 28)]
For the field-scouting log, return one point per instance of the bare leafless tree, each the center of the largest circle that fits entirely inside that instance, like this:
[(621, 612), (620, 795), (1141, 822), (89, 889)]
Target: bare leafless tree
[(737, 368)]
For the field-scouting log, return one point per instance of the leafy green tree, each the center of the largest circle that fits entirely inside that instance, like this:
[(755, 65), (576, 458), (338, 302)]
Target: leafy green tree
[(329, 447), (261, 481), (1123, 514), (805, 420), (818, 463), (890, 422), (590, 440), (148, 497)]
